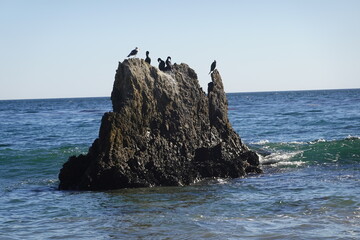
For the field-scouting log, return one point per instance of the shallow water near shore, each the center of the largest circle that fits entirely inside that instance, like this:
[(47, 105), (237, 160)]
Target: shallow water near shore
[(309, 145)]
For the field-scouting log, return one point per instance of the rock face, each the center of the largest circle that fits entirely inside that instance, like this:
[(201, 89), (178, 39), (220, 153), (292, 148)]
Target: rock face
[(163, 131)]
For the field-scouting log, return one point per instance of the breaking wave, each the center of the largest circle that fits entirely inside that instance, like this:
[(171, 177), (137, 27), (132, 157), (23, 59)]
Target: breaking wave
[(320, 151)]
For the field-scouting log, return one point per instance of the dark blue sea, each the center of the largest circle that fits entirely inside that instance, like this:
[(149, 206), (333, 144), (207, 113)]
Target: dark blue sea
[(309, 143)]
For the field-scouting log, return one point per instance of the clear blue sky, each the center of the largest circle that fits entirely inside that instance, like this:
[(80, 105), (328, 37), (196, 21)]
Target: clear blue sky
[(70, 48)]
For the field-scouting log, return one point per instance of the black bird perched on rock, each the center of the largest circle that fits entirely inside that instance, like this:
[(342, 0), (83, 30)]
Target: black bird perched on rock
[(213, 66), (168, 64), (133, 52), (147, 59), (161, 64)]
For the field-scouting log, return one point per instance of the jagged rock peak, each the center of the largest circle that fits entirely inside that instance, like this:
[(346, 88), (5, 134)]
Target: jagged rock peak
[(164, 131)]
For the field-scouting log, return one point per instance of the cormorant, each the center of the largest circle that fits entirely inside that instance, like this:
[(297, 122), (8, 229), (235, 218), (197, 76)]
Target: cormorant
[(213, 66), (168, 64), (161, 64), (147, 59), (133, 52)]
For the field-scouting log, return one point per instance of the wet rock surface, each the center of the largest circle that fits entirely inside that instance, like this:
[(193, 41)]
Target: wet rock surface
[(164, 131)]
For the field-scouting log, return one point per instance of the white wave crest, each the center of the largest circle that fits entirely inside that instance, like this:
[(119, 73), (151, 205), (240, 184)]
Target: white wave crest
[(281, 159), (261, 142), (318, 141), (295, 143), (352, 137), (290, 163)]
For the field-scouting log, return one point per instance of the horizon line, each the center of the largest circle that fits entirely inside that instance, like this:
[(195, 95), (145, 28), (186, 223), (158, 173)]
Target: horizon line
[(264, 91)]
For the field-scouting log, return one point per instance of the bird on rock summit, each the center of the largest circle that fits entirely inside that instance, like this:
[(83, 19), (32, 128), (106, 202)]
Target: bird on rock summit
[(147, 59), (161, 64), (168, 64), (133, 52), (213, 66)]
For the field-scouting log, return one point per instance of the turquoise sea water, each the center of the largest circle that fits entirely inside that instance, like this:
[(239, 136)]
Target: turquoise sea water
[(309, 144)]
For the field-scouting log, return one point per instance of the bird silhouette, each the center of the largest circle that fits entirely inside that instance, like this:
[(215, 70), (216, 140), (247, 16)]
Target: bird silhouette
[(213, 66), (161, 64), (147, 59), (168, 64), (133, 52)]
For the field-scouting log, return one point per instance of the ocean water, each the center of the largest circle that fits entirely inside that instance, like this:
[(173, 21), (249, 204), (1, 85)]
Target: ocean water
[(310, 189)]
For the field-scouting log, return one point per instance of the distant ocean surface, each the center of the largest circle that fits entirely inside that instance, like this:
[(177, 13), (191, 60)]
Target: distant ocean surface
[(310, 188)]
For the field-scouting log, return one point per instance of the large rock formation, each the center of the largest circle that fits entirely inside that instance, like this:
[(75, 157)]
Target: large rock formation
[(164, 130)]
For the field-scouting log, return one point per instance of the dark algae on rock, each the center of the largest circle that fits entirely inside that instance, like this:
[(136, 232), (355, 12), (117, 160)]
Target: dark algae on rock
[(164, 131)]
